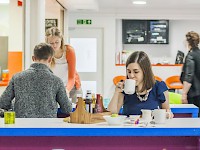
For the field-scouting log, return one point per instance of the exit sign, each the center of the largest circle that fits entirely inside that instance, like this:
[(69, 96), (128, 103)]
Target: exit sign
[(84, 21)]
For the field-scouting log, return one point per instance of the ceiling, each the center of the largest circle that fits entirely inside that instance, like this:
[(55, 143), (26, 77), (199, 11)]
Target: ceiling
[(126, 6)]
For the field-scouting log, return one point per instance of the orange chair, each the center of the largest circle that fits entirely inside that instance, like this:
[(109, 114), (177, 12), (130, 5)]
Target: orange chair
[(174, 82), (158, 78), (118, 78)]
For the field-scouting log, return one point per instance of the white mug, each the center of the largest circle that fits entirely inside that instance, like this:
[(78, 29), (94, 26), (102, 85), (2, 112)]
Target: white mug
[(129, 86), (160, 115), (146, 115)]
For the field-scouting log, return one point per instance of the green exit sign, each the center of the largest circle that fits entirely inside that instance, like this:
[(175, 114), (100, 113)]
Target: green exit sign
[(84, 21)]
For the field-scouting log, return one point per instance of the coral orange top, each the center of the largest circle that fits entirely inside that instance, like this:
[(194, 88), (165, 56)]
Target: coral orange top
[(73, 77)]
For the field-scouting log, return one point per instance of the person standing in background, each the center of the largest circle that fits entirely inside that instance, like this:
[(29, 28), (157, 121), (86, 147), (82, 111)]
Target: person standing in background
[(37, 90), (64, 62), (190, 76)]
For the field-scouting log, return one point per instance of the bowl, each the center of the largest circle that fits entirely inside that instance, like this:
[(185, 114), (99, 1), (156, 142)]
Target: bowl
[(119, 120), (134, 117)]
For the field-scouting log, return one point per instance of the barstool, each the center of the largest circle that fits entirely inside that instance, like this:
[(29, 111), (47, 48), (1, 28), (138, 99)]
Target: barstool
[(174, 83), (158, 78), (116, 79)]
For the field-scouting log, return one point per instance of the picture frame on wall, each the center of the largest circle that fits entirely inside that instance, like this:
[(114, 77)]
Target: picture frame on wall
[(179, 57), (51, 23)]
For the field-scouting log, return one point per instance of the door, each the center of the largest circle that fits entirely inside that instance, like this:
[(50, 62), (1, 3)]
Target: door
[(88, 48)]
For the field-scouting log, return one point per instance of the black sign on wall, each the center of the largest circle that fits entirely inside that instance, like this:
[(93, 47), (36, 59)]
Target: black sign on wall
[(145, 31)]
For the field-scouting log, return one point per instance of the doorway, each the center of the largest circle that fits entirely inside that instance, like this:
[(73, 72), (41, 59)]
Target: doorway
[(89, 53)]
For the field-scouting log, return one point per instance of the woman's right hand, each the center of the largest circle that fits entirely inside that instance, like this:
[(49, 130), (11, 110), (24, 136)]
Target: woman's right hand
[(119, 87)]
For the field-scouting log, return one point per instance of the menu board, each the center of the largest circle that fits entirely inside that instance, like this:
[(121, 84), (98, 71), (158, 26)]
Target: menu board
[(145, 31), (134, 31), (158, 32)]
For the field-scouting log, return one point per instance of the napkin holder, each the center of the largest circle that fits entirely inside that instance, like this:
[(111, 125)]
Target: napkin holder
[(81, 116)]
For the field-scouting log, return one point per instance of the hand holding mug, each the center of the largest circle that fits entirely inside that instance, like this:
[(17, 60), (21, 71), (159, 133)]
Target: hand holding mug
[(119, 87)]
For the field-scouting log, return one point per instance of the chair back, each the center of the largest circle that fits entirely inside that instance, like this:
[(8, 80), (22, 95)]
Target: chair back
[(174, 98), (118, 78), (158, 78), (174, 82)]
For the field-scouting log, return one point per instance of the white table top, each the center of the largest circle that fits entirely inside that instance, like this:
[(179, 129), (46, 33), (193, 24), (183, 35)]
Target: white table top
[(56, 127), (183, 106), (58, 123)]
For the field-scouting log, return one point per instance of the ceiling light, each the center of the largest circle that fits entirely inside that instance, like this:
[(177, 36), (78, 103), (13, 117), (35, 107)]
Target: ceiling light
[(139, 2), (4, 1)]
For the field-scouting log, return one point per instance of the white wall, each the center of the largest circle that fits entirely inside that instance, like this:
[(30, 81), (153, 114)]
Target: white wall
[(159, 52), (112, 34), (178, 31), (52, 10), (15, 26), (108, 24), (4, 21)]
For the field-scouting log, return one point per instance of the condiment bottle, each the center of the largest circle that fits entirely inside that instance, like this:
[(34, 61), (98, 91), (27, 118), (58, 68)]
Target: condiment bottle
[(88, 101), (98, 105), (93, 102)]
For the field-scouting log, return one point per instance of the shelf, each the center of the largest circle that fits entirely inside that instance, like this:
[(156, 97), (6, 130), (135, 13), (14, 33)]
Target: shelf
[(155, 64), (167, 64), (4, 83)]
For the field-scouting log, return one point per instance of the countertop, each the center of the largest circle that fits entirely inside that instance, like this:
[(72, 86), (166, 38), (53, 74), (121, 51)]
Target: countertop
[(56, 127)]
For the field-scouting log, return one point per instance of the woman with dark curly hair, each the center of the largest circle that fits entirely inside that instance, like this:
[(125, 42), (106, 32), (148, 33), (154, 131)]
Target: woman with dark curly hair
[(190, 75)]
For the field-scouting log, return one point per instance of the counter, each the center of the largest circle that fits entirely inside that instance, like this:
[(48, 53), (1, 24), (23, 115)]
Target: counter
[(45, 133), (182, 110)]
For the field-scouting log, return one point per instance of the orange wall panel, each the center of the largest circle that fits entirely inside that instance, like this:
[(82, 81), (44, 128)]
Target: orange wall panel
[(14, 63)]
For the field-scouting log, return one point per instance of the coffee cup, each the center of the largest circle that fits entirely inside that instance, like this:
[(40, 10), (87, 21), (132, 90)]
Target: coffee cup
[(146, 115), (129, 86), (160, 115)]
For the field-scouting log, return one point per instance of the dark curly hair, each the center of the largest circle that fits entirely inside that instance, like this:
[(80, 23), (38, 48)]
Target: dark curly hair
[(192, 38)]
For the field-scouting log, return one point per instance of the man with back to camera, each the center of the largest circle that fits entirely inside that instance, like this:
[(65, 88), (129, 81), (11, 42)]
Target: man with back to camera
[(37, 90)]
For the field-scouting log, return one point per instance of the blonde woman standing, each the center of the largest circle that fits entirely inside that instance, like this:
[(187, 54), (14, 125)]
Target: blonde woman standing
[(64, 62)]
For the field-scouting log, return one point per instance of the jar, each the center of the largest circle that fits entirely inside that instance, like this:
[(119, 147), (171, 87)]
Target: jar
[(5, 75), (9, 117)]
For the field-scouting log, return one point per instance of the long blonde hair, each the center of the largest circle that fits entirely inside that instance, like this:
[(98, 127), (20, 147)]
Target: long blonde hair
[(54, 31)]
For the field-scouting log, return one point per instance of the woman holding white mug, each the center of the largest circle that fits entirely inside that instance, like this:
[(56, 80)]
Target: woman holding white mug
[(148, 94)]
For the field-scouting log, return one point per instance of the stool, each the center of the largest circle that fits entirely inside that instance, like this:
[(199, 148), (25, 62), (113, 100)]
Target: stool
[(118, 78), (174, 83), (158, 78)]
